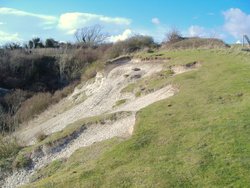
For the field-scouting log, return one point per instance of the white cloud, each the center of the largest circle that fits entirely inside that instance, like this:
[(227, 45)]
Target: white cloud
[(155, 21), (237, 23), (196, 31), (14, 12), (8, 37), (125, 35), (69, 22), (26, 24), (238, 42)]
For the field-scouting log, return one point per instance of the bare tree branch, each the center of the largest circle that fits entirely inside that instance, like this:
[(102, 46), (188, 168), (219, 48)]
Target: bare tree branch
[(91, 36)]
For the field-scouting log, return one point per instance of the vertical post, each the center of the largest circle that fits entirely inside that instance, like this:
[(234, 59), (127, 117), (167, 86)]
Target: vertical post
[(242, 40)]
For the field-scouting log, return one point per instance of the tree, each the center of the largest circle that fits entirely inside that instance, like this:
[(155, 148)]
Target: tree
[(91, 36), (138, 42), (12, 46), (30, 44), (35, 43), (51, 43), (173, 36)]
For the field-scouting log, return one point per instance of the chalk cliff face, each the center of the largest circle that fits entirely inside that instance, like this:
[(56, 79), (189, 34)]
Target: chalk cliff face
[(94, 98)]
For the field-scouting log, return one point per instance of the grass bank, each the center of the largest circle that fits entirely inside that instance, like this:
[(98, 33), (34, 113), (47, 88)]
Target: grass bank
[(198, 138)]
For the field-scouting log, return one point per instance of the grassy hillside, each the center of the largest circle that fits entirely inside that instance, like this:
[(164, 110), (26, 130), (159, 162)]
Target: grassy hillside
[(198, 138), (196, 42)]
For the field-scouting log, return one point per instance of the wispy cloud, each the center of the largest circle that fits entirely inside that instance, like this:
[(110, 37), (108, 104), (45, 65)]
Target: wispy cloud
[(14, 12)]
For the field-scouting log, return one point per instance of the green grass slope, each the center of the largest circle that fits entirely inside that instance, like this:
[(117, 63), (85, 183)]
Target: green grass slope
[(198, 138)]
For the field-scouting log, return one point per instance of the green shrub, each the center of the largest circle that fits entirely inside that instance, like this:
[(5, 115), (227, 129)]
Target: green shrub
[(130, 45), (120, 102), (22, 161), (139, 42), (9, 148)]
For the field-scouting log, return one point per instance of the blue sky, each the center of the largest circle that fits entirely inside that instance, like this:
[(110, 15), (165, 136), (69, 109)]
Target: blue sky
[(21, 20)]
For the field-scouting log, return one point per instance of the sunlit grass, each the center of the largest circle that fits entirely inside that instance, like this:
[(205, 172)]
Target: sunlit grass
[(198, 138)]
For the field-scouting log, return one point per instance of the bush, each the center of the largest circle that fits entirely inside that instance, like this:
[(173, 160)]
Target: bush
[(19, 69), (173, 36), (116, 50), (22, 161), (42, 70), (62, 93), (13, 100), (130, 45), (91, 70), (9, 105), (19, 106), (40, 102), (9, 148), (139, 42), (33, 106), (51, 43), (72, 66), (87, 55)]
